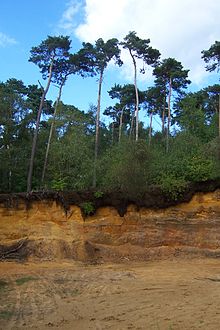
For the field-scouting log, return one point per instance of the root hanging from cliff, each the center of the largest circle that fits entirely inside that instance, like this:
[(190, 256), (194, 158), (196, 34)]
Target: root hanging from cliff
[(14, 251)]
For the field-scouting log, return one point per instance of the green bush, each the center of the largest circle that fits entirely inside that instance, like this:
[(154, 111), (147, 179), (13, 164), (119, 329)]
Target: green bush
[(126, 167), (88, 208), (98, 194), (58, 184), (199, 169), (172, 187), (187, 161)]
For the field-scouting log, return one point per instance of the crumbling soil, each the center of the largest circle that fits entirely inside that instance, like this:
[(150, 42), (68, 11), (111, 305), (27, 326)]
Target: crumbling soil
[(153, 198), (169, 294)]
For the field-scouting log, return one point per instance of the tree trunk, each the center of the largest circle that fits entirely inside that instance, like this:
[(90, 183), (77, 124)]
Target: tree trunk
[(136, 94), (113, 128), (34, 143), (219, 115), (163, 115), (132, 124), (169, 114), (150, 128), (51, 131), (120, 125), (9, 176), (97, 128)]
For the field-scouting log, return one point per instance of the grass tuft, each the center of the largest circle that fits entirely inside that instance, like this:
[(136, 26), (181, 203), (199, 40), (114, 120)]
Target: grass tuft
[(6, 315), (3, 284), (26, 279)]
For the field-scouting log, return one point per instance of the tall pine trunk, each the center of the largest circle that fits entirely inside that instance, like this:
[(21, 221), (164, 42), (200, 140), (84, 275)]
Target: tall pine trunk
[(120, 125), (113, 132), (34, 143), (132, 124), (97, 128), (163, 115), (219, 115), (169, 114), (150, 128), (136, 95), (51, 132)]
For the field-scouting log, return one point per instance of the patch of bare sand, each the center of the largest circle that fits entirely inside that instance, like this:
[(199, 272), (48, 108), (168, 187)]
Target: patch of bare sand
[(179, 294)]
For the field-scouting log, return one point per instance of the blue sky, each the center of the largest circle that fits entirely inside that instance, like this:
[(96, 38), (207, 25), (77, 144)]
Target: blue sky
[(179, 29), (26, 23)]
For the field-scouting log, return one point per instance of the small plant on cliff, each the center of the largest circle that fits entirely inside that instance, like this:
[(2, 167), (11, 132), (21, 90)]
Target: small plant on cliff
[(98, 194), (88, 208)]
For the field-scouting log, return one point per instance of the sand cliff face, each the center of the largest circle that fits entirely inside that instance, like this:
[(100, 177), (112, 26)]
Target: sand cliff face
[(191, 228)]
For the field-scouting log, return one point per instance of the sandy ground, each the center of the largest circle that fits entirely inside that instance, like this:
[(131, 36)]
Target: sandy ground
[(179, 294)]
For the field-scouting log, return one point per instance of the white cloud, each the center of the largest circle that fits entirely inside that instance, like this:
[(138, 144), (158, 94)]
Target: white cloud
[(6, 40), (179, 29), (68, 20)]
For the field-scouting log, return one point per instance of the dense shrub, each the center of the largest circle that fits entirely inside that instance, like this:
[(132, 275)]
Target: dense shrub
[(126, 167)]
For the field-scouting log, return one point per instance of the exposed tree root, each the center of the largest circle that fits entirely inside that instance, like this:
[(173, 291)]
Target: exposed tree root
[(14, 251)]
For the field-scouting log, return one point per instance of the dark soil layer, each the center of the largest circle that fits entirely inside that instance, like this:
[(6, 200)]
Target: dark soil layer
[(153, 198)]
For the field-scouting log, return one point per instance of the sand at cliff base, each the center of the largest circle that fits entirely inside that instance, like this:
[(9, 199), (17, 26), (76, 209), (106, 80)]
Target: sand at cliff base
[(178, 294)]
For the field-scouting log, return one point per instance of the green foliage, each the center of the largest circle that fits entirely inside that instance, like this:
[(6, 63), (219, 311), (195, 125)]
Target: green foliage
[(140, 48), (58, 184), (125, 167), (199, 168), (6, 315), (3, 285), (173, 187), (212, 57), (88, 208), (17, 116), (98, 194), (122, 164), (71, 157), (95, 58), (171, 69), (51, 50), (212, 152), (196, 113), (187, 161)]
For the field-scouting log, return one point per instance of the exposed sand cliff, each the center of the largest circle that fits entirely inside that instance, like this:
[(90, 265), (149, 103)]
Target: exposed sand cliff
[(191, 228)]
